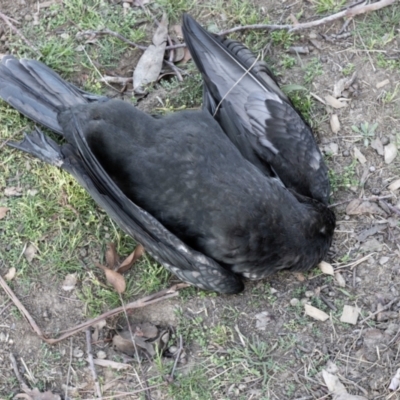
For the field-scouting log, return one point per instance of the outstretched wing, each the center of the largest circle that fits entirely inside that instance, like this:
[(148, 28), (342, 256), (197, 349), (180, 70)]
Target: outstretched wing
[(243, 95)]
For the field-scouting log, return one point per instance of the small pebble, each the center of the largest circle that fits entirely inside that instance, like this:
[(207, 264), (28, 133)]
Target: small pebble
[(375, 191), (294, 302), (309, 293), (385, 140), (101, 354), (346, 153), (371, 168), (304, 301)]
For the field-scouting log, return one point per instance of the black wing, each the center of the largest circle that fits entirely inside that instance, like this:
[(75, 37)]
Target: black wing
[(243, 95)]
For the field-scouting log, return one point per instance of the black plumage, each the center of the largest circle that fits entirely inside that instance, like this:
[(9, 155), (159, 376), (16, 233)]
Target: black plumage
[(177, 184)]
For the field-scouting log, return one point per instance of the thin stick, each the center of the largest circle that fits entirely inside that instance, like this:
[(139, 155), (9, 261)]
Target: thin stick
[(21, 381), (384, 308), (69, 368), (18, 32), (91, 363), (348, 13), (236, 83), (178, 355), (154, 298), (107, 31)]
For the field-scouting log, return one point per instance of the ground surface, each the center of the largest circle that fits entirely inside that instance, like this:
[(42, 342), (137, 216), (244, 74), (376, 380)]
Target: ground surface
[(257, 345)]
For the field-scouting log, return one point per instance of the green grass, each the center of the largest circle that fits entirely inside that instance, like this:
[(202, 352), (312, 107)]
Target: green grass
[(325, 6)]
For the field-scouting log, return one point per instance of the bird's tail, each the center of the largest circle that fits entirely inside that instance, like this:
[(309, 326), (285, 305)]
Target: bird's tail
[(37, 91)]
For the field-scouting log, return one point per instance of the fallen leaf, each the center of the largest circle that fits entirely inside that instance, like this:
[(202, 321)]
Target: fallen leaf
[(335, 103), (69, 282), (177, 29), (326, 268), (339, 87), (382, 83), (146, 330), (390, 152), (357, 207), (111, 255), (337, 388), (13, 191), (30, 252), (138, 3), (126, 345), (3, 212), (395, 382), (112, 364), (36, 395), (150, 63), (359, 156), (315, 313), (340, 280), (335, 124), (350, 315), (114, 278), (131, 259), (299, 276), (10, 274), (393, 186)]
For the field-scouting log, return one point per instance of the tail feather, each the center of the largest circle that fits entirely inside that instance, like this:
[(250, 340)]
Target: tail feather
[(36, 91)]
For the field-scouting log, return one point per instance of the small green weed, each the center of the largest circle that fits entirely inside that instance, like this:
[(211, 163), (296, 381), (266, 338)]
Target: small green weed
[(366, 130)]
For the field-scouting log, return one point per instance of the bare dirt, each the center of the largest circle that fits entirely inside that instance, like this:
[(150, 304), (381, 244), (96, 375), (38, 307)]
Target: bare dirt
[(366, 354)]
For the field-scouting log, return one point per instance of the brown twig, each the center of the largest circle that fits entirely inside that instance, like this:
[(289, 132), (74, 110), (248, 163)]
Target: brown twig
[(18, 32), (20, 380), (384, 308), (154, 298), (372, 198), (91, 363), (348, 13), (178, 355), (107, 31)]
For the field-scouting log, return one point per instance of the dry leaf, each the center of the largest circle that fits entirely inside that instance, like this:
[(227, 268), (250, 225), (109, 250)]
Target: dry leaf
[(337, 388), (13, 191), (36, 395), (69, 282), (349, 315), (358, 206), (131, 259), (326, 268), (315, 313), (112, 364), (390, 152), (382, 83), (3, 212), (393, 186), (335, 103), (299, 276), (340, 280), (111, 255), (10, 274), (114, 278), (126, 346), (146, 330), (177, 29), (138, 3), (395, 382), (359, 156), (150, 63), (335, 124), (30, 252)]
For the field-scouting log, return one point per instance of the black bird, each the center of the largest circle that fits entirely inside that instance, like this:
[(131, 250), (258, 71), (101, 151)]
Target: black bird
[(176, 184)]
